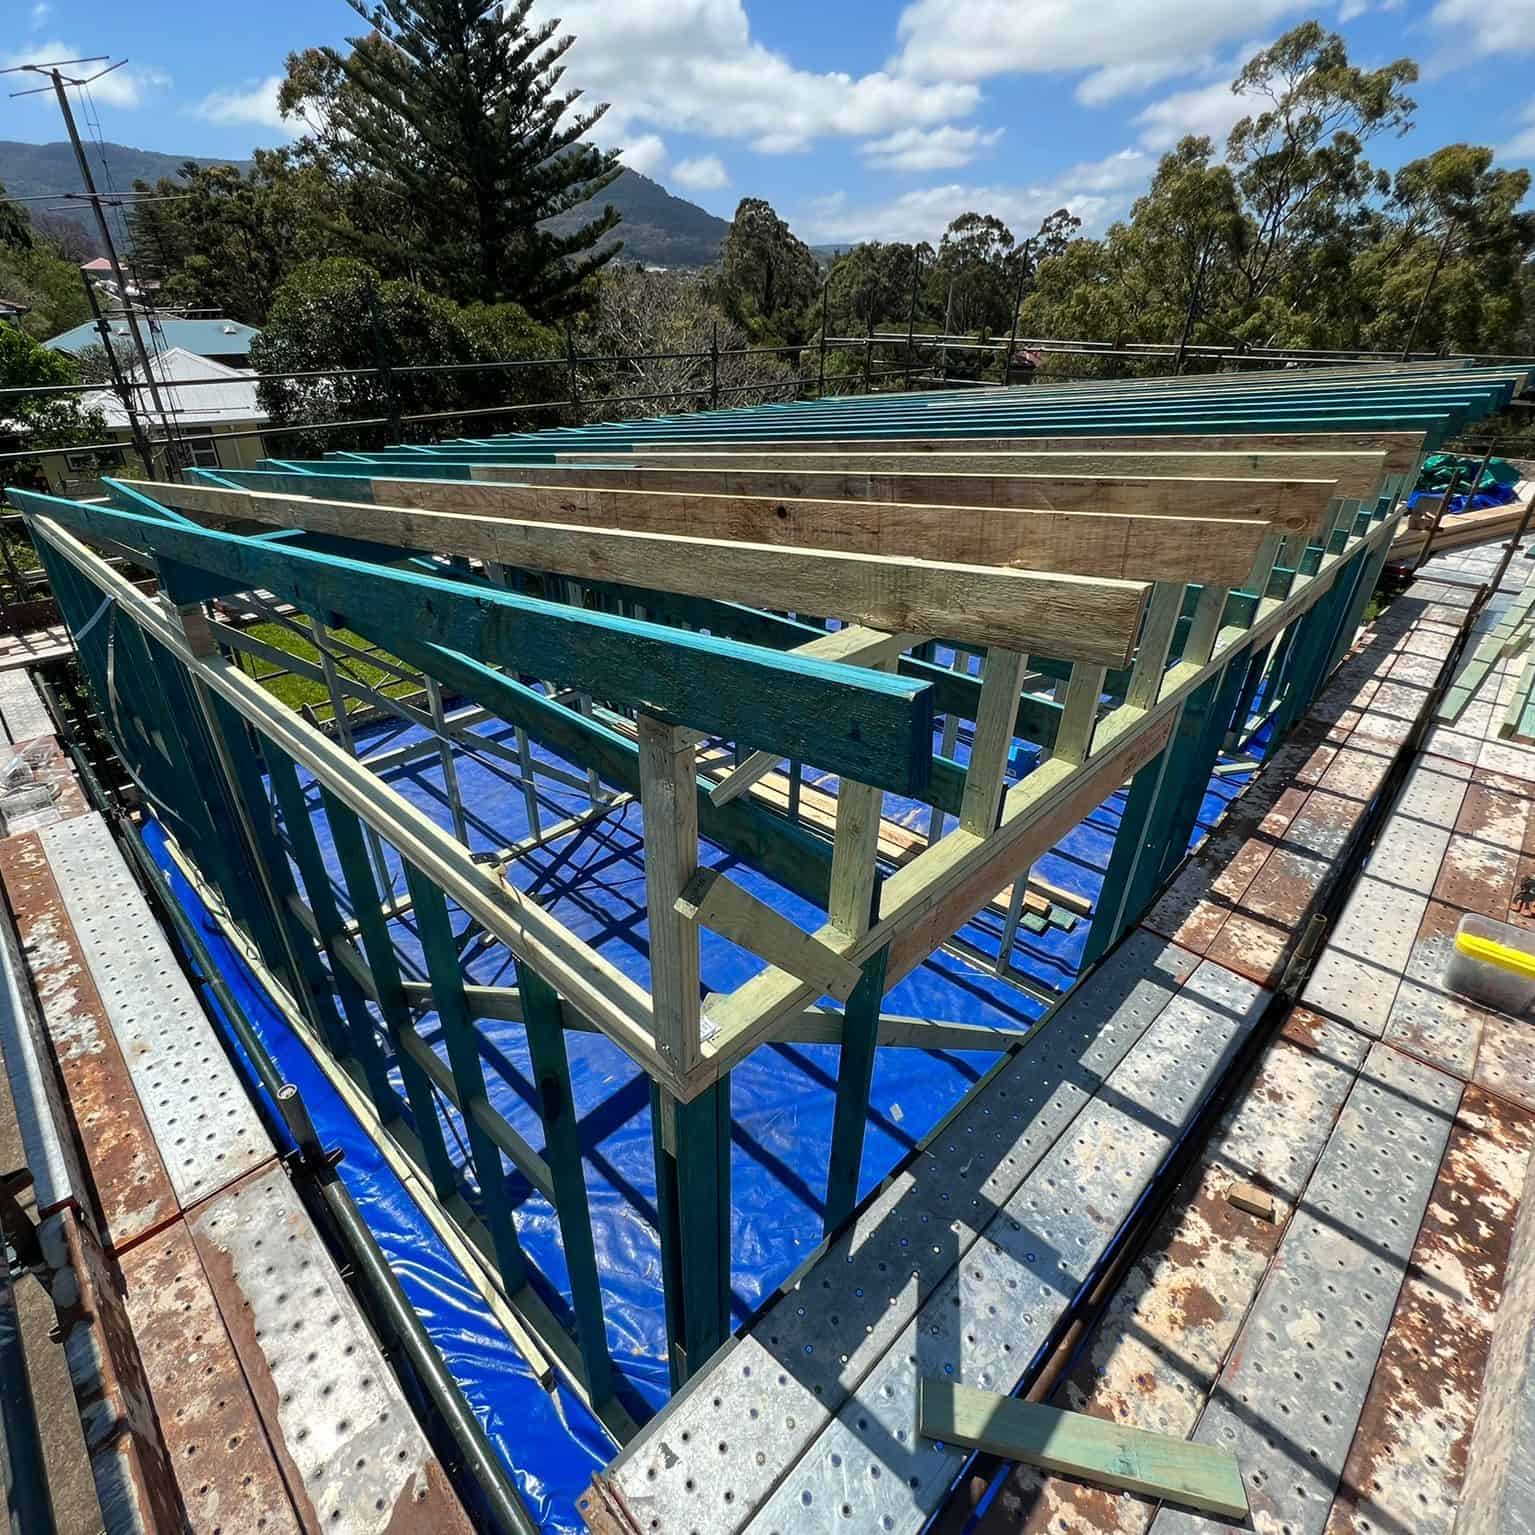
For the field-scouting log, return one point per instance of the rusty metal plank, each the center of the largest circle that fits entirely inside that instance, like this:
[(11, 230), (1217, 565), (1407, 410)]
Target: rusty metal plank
[(1357, 975), (869, 1467), (224, 1466), (204, 1124), (1505, 1060), (719, 1450), (352, 1455), (1156, 1352), (1408, 1460), (1290, 1395), (134, 1481), (133, 1192)]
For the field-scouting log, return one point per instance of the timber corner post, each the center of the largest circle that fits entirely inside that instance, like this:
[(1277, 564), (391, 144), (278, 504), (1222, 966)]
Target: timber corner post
[(686, 677)]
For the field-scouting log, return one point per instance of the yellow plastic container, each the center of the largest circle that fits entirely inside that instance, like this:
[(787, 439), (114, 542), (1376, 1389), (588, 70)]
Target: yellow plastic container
[(1493, 963)]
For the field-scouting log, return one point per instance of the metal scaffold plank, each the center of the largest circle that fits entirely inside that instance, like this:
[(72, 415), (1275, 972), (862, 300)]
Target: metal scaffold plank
[(1289, 1399), (205, 1127)]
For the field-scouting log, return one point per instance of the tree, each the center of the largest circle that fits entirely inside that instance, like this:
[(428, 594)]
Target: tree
[(1186, 235), (1449, 268), (1296, 240), (450, 108), (15, 226), (638, 314), (871, 285), (38, 421), (338, 314), (768, 277), (222, 238), (972, 283), (34, 272), (1300, 168)]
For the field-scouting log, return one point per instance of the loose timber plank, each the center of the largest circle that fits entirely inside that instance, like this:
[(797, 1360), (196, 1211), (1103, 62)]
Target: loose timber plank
[(1053, 613), (1112, 545), (1292, 505), (1353, 475), (1075, 1444), (1402, 449)]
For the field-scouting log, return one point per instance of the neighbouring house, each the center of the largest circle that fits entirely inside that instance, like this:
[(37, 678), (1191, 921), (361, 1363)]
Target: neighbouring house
[(11, 311), (222, 341), (202, 401)]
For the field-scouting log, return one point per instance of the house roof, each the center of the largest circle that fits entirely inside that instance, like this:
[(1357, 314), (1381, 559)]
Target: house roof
[(205, 338), (230, 398), (100, 264)]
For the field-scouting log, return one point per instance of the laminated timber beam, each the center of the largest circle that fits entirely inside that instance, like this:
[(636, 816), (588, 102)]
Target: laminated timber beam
[(1058, 614)]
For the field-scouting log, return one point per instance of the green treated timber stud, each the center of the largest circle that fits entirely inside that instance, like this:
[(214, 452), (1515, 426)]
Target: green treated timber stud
[(869, 725), (1255, 666), (1182, 781), (1365, 581), (378, 948), (362, 1041), (228, 853), (1206, 754), (313, 991), (1111, 917), (1303, 669), (855, 1078), (435, 931), (693, 1204), (1276, 679), (544, 1022)]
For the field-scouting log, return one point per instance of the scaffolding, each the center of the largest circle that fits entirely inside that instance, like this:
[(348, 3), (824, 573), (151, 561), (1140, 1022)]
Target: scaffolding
[(1002, 607)]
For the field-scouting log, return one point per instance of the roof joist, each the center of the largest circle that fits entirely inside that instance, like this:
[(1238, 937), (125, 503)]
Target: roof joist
[(979, 603), (874, 727)]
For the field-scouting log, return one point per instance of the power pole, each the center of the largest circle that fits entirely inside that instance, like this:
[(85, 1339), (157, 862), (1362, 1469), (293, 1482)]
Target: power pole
[(51, 72), (135, 426)]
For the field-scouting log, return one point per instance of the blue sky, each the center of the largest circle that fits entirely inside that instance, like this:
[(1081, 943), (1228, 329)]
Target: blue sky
[(854, 118)]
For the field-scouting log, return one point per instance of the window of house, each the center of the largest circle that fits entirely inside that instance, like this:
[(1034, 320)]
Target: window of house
[(198, 452)]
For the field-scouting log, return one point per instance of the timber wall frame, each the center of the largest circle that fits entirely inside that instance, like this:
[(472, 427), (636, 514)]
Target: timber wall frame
[(1129, 610)]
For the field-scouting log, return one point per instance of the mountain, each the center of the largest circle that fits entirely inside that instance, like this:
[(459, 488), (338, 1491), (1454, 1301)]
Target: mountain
[(657, 230), (33, 170)]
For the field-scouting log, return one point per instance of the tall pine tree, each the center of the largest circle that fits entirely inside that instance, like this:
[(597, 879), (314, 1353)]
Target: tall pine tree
[(451, 108)]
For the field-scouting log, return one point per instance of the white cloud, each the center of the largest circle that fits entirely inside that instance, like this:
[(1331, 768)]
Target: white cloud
[(1507, 27), (645, 153), (1352, 10), (692, 65), (255, 104), (39, 13), (927, 149), (125, 88), (1213, 110), (707, 173), (1522, 145), (1116, 80), (1096, 192), (957, 40)]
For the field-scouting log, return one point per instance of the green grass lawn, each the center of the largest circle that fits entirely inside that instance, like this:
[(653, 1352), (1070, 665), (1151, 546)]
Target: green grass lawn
[(296, 691)]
